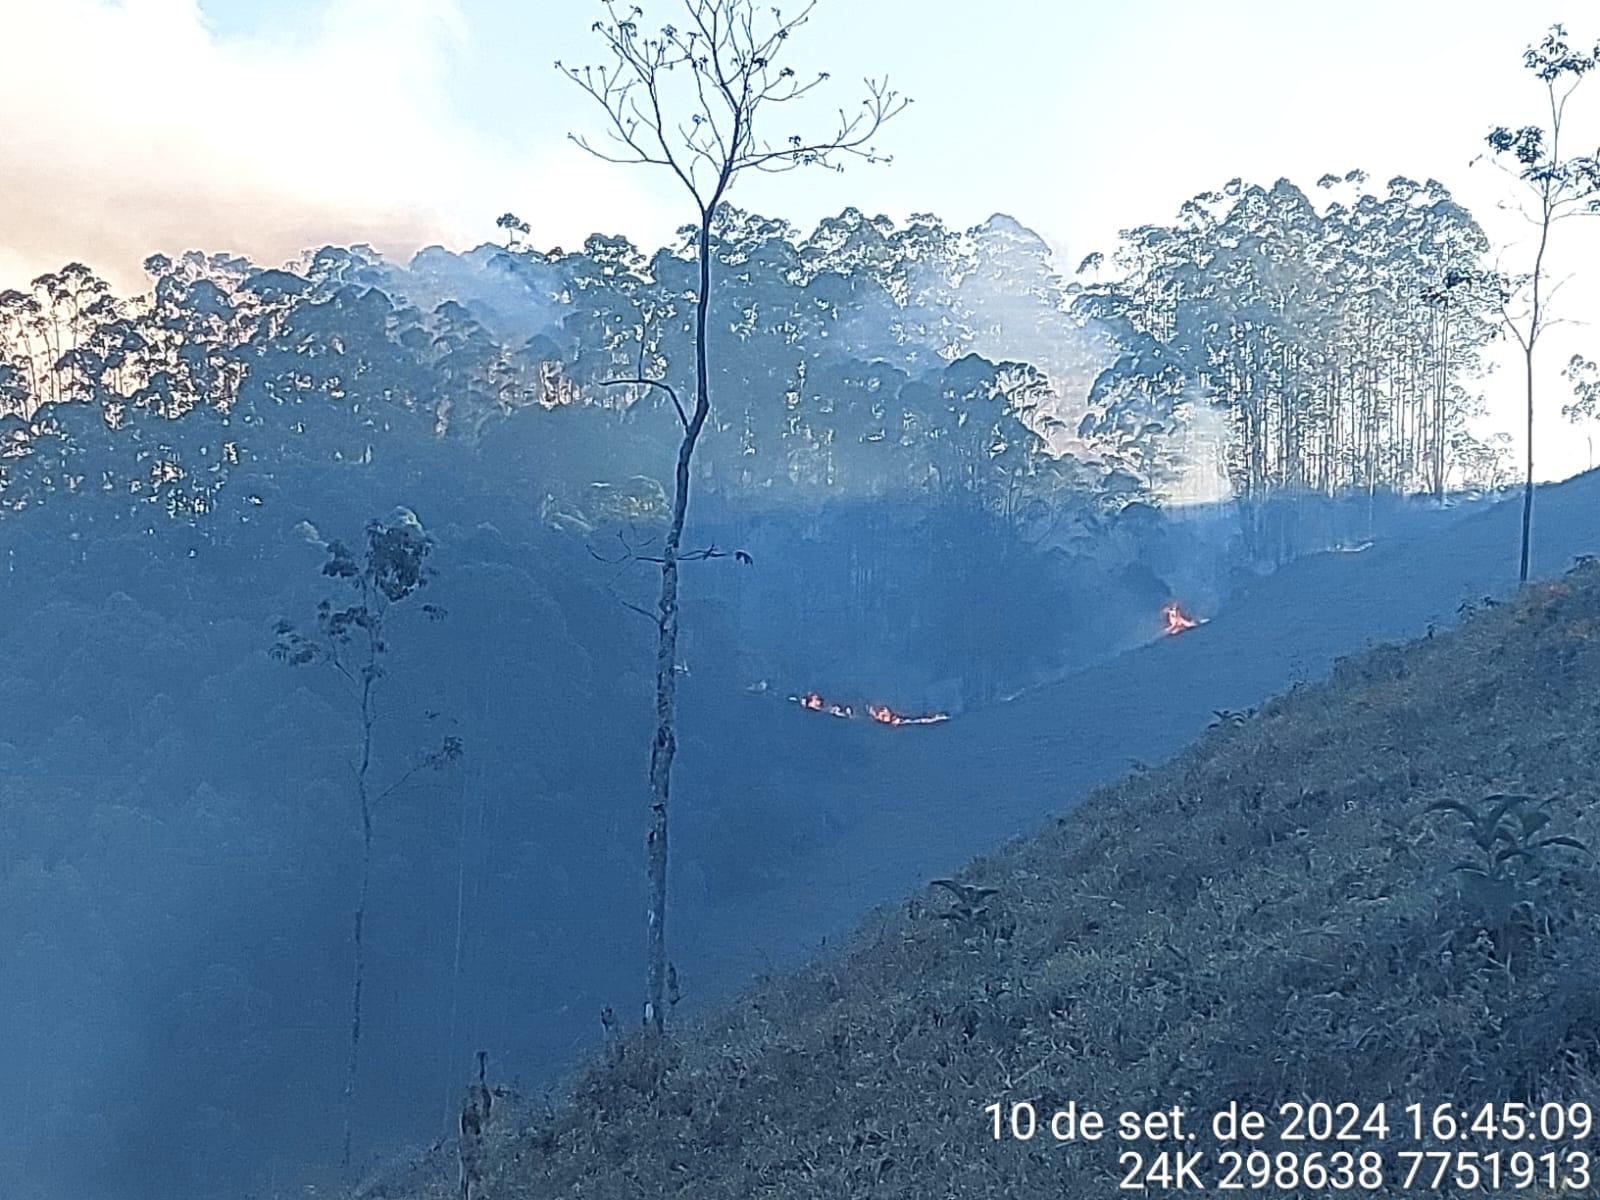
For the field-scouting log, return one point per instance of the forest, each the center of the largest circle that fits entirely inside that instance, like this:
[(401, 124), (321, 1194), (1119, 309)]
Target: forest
[(1335, 349), (333, 587), (179, 461)]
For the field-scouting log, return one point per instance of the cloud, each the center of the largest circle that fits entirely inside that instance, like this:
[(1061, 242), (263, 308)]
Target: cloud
[(132, 127)]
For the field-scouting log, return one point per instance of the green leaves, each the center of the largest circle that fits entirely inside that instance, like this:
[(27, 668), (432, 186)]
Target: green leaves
[(1505, 829), (392, 569), (340, 564), (1584, 377), (1227, 718), (970, 906), (396, 554), (291, 647), (1526, 145), (450, 750), (1553, 57), (1570, 842)]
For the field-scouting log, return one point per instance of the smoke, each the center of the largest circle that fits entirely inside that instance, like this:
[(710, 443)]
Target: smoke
[(1200, 472), (134, 127)]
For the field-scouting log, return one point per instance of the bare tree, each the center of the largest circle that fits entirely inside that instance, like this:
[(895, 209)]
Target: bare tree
[(695, 100), (1554, 189)]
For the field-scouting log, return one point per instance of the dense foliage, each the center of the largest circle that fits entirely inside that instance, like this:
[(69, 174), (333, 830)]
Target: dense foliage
[(1258, 341), (1341, 342)]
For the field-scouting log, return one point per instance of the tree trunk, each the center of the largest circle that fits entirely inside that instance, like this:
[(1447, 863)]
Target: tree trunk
[(367, 720), (1527, 483), (355, 991), (664, 746)]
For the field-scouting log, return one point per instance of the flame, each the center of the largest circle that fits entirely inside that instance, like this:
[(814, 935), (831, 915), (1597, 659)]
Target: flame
[(885, 715), (882, 714), (1177, 620), (815, 703)]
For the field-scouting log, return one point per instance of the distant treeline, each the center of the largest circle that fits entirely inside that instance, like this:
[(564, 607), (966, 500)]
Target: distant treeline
[(1342, 342), (1257, 344)]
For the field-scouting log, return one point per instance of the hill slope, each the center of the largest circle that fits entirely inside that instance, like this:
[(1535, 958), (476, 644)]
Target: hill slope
[(824, 820), (1271, 915)]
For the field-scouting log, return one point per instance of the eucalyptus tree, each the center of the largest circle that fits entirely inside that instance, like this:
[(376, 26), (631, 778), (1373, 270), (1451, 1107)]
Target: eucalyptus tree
[(1584, 376), (353, 641), (696, 101), (191, 333), (14, 393), (513, 226), (1327, 335), (18, 312), (1554, 186), (932, 325)]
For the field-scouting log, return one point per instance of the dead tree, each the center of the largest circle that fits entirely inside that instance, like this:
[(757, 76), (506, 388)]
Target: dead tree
[(695, 100)]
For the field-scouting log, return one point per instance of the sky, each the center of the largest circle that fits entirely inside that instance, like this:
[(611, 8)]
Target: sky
[(264, 127)]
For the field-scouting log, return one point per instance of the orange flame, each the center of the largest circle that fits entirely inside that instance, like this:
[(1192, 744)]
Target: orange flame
[(1177, 620), (881, 713), (815, 703), (885, 715)]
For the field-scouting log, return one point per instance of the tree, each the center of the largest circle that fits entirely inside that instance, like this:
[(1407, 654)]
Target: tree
[(694, 101), (1583, 374), (514, 227), (352, 641), (1331, 342), (1554, 189)]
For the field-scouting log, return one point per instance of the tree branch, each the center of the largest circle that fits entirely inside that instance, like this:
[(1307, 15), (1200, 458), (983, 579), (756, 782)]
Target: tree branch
[(640, 381)]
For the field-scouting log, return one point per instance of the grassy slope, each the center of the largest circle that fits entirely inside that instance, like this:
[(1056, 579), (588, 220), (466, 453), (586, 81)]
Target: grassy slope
[(1271, 915), (772, 799)]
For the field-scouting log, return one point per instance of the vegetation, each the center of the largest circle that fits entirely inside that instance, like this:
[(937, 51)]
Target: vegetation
[(1272, 915), (353, 641), (1555, 185), (949, 463), (1338, 344), (859, 360), (183, 849)]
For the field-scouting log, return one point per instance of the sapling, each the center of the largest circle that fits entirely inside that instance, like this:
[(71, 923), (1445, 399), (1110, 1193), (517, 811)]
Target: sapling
[(1554, 185), (1508, 838), (352, 642)]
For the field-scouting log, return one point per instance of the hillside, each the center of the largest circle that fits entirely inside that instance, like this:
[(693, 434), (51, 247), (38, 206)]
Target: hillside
[(817, 821), (1075, 681), (1272, 914), (181, 842)]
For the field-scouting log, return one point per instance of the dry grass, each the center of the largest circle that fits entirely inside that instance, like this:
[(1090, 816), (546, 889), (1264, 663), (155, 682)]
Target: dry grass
[(1272, 915)]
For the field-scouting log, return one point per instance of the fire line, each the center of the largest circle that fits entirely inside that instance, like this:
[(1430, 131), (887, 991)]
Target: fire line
[(1177, 620), (880, 714)]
